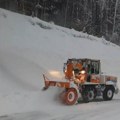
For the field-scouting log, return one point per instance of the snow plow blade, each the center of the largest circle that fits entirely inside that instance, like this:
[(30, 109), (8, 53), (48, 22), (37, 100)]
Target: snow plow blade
[(49, 83)]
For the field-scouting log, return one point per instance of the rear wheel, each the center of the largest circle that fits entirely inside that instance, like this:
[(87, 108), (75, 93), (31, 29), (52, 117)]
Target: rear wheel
[(70, 96), (108, 93), (88, 95)]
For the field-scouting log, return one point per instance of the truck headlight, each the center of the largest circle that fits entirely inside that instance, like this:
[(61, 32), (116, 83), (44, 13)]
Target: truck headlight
[(82, 72)]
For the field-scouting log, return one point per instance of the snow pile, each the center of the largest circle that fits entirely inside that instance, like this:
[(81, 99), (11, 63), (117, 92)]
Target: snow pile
[(30, 47)]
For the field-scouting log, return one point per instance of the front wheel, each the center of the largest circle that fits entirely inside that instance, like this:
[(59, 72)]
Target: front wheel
[(108, 93), (70, 96)]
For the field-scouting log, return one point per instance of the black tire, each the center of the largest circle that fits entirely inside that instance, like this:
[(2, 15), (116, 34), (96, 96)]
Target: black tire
[(88, 95), (95, 94), (108, 93), (85, 97)]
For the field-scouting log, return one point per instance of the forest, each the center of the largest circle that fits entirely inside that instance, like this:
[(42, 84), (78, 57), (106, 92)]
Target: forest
[(96, 17)]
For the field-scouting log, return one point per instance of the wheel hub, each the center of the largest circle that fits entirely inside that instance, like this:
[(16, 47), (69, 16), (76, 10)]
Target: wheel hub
[(109, 93), (91, 95), (71, 96)]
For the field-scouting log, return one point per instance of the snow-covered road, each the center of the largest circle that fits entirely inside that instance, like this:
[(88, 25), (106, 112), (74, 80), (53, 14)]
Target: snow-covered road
[(96, 110)]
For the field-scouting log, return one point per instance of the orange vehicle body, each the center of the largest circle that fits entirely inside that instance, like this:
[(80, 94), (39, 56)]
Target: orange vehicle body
[(69, 71), (55, 83)]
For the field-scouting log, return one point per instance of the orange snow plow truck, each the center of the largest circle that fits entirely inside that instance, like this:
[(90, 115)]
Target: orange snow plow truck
[(84, 79)]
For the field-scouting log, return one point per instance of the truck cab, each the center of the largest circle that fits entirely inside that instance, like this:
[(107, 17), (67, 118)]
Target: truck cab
[(91, 67)]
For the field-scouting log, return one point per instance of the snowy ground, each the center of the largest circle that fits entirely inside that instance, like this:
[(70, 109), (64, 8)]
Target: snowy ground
[(30, 47)]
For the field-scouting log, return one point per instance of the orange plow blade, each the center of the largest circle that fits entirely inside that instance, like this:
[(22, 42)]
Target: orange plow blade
[(49, 83)]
